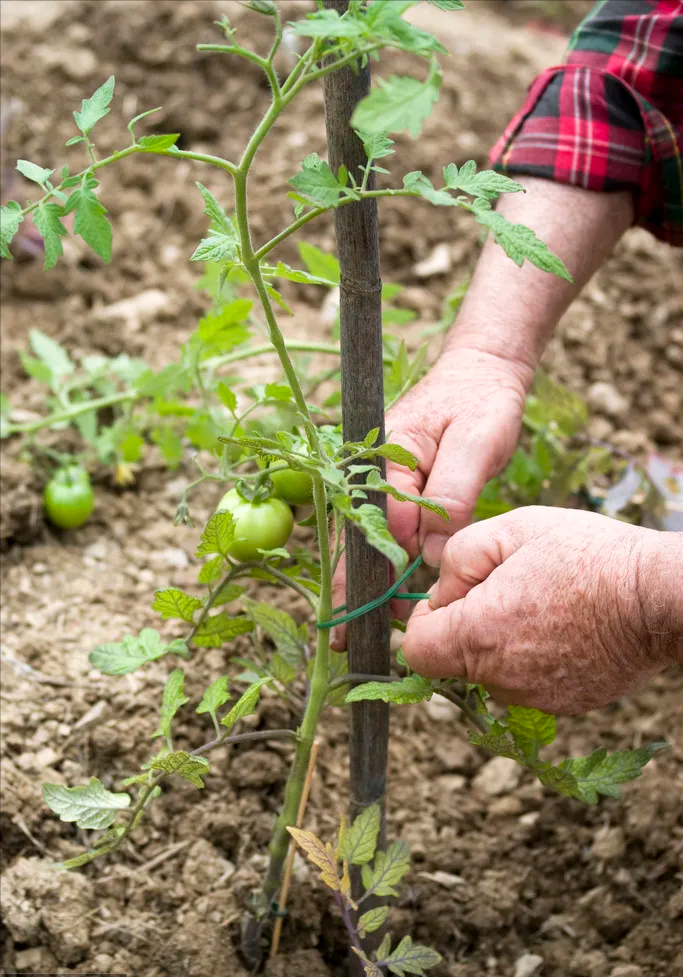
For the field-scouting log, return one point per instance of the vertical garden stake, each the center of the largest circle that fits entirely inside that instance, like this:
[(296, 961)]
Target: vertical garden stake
[(362, 381)]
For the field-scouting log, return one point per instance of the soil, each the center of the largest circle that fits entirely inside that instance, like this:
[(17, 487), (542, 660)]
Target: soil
[(502, 869)]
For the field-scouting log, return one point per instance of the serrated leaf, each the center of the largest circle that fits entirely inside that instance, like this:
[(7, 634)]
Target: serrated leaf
[(602, 772), (372, 920), (218, 629), (123, 657), (47, 220), (91, 221), (412, 688), (520, 243), (399, 102), (228, 593), (282, 630), (282, 270), (91, 806), (49, 352), (215, 696), (360, 840), (447, 4), (96, 107), (281, 669), (211, 570), (498, 741), (384, 948), (373, 524), (191, 768), (411, 958), (484, 183), (377, 145), (173, 603), (218, 535), (38, 174), (155, 144), (246, 704), (387, 870), (10, 219), (214, 211), (174, 697), (328, 24), (531, 730), (320, 855), (317, 182), (369, 968)]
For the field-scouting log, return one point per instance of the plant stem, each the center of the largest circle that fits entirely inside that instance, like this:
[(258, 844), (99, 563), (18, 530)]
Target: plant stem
[(66, 415)]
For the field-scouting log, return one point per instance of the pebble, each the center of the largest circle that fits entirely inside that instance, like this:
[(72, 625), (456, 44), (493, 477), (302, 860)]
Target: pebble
[(437, 263), (440, 709), (174, 557), (446, 879), (29, 960), (498, 776), (626, 970), (505, 807), (451, 782), (528, 964), (606, 399), (608, 843), (456, 756), (46, 757), (588, 963)]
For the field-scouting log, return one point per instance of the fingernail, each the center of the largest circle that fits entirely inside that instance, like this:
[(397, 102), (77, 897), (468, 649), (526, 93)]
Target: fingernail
[(433, 547), (335, 639), (434, 596)]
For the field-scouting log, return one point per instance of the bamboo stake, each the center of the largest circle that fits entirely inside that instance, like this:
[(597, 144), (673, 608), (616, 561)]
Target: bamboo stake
[(289, 864)]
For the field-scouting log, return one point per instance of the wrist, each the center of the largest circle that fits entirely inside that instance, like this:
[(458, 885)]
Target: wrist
[(660, 595)]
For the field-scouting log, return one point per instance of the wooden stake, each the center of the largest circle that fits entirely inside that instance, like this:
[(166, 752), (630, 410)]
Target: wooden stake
[(289, 864), (367, 571)]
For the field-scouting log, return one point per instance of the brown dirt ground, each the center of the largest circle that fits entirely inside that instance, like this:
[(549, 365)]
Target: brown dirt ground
[(590, 890)]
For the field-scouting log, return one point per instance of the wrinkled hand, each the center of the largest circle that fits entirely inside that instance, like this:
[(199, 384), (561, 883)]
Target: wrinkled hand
[(462, 422), (543, 607)]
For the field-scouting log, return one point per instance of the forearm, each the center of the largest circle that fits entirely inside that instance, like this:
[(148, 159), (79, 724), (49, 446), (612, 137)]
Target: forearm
[(660, 594), (510, 311)]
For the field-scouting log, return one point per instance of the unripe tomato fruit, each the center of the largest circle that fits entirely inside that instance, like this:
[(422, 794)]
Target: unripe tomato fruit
[(294, 487), (68, 497), (258, 525)]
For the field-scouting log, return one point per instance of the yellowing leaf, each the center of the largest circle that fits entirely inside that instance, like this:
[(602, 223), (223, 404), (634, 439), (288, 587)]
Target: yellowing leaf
[(320, 855)]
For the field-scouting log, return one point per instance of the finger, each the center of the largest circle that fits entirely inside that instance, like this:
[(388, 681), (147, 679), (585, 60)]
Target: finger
[(432, 645), (458, 475), (404, 517), (338, 632), (471, 556)]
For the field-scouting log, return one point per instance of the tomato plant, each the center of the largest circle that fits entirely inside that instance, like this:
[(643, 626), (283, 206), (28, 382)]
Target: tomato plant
[(68, 497), (192, 402), (258, 524), (296, 488)]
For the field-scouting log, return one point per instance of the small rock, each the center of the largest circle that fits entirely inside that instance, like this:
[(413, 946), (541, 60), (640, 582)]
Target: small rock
[(451, 782), (437, 263), (173, 556), (29, 960), (606, 399), (136, 311), (93, 716), (530, 818), (505, 807), (498, 776), (457, 756), (440, 709), (46, 757), (97, 550), (528, 964), (39, 568), (588, 963), (609, 843), (446, 879), (627, 970)]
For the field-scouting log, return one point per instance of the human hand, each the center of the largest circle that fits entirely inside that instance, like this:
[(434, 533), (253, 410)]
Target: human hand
[(462, 422), (547, 608)]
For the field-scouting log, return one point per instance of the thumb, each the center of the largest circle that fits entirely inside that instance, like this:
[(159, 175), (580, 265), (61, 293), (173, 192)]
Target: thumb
[(431, 645)]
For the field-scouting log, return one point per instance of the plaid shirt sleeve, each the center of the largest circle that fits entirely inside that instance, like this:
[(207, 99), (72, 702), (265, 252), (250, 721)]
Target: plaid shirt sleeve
[(611, 117)]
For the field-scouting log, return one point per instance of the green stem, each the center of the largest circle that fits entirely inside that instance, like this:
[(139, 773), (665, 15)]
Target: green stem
[(66, 415)]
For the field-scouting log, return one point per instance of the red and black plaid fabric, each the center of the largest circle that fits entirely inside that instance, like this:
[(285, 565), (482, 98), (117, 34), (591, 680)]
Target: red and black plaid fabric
[(611, 117)]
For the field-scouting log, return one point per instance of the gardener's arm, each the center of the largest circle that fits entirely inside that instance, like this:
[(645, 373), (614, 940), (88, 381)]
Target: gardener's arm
[(560, 610), (463, 419)]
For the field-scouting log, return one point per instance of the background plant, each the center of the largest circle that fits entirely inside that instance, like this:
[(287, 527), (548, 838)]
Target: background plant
[(188, 402)]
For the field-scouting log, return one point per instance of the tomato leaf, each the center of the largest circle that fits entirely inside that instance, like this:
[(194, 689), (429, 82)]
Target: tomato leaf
[(174, 697), (92, 806), (96, 107)]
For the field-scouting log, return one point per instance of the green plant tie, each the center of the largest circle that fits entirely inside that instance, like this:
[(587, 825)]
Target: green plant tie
[(391, 593)]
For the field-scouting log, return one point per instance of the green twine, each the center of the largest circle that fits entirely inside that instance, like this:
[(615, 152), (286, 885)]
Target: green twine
[(391, 593)]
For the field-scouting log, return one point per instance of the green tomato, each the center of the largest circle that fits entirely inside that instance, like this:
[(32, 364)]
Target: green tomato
[(258, 525), (294, 487), (68, 497)]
